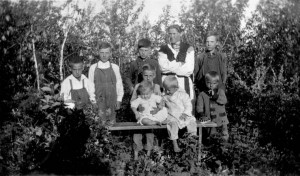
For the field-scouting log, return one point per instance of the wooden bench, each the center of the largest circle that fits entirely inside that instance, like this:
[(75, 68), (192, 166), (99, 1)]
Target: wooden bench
[(135, 126)]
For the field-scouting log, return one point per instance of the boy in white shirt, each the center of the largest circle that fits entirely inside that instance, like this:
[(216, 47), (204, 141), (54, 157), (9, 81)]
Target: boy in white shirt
[(179, 107), (108, 85), (77, 89)]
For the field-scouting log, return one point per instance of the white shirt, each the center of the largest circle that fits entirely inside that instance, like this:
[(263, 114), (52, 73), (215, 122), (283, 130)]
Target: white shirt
[(179, 68), (77, 84), (116, 69)]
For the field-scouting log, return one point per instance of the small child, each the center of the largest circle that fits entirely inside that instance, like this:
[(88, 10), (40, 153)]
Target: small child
[(152, 113), (180, 108), (77, 89), (211, 103)]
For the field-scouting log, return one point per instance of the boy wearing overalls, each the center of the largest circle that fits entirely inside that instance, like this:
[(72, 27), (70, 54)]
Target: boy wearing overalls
[(108, 85), (77, 89)]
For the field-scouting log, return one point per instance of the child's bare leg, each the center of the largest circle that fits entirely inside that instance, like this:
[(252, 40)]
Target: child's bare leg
[(225, 132), (137, 145), (146, 121), (175, 146), (150, 142)]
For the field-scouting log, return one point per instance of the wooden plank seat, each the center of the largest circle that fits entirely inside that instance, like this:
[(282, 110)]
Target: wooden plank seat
[(135, 126)]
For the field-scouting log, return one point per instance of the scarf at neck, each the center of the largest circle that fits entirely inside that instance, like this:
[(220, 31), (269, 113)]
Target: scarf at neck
[(180, 56)]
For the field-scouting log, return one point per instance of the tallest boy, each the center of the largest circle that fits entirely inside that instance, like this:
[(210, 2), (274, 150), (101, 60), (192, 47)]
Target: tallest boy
[(177, 58)]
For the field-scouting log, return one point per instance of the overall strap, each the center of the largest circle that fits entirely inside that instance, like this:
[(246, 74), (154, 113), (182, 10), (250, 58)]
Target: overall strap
[(71, 84), (82, 83)]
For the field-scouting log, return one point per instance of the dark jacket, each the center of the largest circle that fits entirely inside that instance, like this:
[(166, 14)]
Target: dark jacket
[(134, 74)]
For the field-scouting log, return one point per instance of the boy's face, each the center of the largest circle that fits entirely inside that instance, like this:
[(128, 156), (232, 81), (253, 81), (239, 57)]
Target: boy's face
[(174, 35), (212, 84), (148, 75), (211, 43), (105, 54), (145, 52), (170, 90), (77, 69)]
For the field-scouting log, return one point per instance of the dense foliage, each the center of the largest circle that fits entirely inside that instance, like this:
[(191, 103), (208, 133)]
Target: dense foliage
[(38, 135)]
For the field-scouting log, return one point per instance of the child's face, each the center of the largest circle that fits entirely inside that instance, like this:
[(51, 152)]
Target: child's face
[(105, 54), (146, 95), (212, 84), (77, 70), (145, 52), (148, 75), (211, 43), (170, 90)]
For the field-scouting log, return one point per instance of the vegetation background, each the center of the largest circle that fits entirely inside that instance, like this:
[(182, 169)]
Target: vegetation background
[(38, 136)]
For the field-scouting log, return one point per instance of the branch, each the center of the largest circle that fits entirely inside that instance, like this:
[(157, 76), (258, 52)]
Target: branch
[(35, 63), (62, 54)]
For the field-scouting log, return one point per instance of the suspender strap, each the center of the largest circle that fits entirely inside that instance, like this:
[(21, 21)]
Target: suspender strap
[(83, 83), (71, 84)]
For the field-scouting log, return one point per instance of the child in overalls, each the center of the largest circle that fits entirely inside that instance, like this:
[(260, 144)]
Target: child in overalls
[(108, 85), (77, 89)]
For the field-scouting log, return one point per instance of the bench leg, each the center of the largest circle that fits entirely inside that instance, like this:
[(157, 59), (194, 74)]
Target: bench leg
[(200, 144)]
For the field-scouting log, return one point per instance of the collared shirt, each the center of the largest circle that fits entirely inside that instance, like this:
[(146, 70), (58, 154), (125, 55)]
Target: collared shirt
[(77, 84), (116, 69)]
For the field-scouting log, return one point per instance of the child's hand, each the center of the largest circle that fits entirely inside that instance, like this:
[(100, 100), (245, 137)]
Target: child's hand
[(137, 116), (140, 108), (183, 117), (154, 111), (118, 105)]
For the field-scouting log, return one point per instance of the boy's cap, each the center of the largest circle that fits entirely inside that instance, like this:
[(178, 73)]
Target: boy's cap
[(146, 43)]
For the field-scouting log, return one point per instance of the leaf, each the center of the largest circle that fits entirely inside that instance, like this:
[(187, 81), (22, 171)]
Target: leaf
[(45, 107), (56, 86), (38, 131), (46, 89), (55, 104)]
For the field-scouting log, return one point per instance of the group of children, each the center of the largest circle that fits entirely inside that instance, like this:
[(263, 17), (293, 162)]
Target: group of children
[(153, 101)]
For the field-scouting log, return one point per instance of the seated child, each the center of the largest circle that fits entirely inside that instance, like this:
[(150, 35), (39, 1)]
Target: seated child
[(77, 88), (211, 104), (151, 113), (180, 108)]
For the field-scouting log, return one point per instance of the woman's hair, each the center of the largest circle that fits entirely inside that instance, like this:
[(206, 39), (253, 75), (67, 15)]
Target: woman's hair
[(175, 26), (144, 87), (170, 82), (212, 75)]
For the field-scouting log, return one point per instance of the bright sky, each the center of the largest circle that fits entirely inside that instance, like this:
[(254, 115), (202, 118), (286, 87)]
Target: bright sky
[(154, 8)]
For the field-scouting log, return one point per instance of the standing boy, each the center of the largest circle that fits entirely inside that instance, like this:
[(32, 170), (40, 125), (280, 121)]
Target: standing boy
[(108, 84), (135, 73), (77, 88), (210, 60)]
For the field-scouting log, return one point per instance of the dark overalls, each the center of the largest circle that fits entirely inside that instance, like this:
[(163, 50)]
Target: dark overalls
[(106, 93), (80, 96)]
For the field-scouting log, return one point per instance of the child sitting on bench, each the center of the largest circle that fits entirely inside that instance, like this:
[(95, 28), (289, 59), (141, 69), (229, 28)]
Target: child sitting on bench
[(180, 108), (151, 112)]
